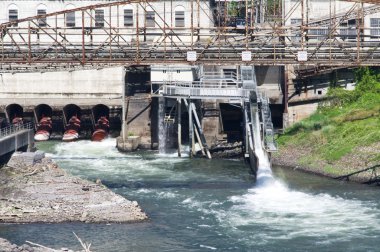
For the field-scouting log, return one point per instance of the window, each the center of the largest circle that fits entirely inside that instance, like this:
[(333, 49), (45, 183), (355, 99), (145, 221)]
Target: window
[(70, 19), (296, 35), (319, 34), (128, 17), (13, 15), (41, 21), (150, 19), (180, 17), (375, 28), (350, 31), (99, 18)]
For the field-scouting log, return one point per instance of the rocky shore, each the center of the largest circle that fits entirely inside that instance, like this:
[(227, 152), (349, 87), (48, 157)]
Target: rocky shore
[(6, 246), (35, 189)]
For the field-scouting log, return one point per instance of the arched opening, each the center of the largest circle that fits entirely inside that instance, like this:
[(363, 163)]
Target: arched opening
[(42, 10), (42, 110), (71, 110), (100, 110), (13, 13), (100, 115), (179, 16), (43, 122), (14, 112)]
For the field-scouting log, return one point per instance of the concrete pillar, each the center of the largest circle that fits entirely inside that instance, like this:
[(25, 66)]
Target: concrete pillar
[(179, 113), (285, 120), (124, 129), (191, 130)]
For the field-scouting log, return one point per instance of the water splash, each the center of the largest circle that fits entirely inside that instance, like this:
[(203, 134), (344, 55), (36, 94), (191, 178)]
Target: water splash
[(161, 126)]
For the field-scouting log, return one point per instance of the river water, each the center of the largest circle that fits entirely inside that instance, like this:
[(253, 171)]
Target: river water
[(211, 205)]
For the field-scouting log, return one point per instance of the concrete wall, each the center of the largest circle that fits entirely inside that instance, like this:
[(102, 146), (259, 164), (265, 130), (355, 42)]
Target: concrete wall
[(269, 82), (172, 73), (297, 112), (84, 87), (139, 112)]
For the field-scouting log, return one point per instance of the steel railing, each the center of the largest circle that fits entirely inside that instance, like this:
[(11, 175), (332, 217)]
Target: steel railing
[(12, 129)]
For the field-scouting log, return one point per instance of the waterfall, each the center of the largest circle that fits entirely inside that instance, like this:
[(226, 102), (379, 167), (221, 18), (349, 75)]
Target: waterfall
[(264, 172), (162, 129)]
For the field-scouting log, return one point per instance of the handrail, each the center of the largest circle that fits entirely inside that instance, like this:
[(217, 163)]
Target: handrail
[(199, 84), (15, 128)]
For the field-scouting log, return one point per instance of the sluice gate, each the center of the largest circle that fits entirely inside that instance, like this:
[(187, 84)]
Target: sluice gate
[(59, 117), (237, 90)]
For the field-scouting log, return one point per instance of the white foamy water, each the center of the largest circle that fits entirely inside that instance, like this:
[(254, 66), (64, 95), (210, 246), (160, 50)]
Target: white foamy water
[(88, 149), (199, 203), (288, 214)]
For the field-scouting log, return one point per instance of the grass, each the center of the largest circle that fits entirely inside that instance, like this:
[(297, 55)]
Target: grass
[(336, 130)]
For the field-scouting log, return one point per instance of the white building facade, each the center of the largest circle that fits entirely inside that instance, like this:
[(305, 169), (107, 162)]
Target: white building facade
[(348, 17)]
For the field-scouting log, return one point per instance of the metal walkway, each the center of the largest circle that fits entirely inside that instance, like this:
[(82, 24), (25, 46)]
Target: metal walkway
[(27, 46), (14, 137), (240, 88)]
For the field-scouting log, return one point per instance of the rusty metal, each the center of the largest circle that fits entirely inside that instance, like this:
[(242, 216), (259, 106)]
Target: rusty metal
[(28, 46)]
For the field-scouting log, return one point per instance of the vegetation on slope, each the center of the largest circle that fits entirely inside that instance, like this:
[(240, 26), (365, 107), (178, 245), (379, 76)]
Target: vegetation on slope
[(344, 134)]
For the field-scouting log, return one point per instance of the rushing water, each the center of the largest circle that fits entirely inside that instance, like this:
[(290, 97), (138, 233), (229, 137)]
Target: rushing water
[(203, 205)]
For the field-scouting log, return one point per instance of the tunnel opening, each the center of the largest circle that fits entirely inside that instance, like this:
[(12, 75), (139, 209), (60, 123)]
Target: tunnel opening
[(42, 110), (72, 121), (100, 122), (14, 113), (71, 110), (100, 110), (43, 122)]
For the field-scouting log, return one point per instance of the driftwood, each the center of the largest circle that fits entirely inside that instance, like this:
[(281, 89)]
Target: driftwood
[(84, 245), (41, 246), (374, 178)]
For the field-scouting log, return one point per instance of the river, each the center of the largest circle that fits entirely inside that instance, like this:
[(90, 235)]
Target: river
[(211, 205)]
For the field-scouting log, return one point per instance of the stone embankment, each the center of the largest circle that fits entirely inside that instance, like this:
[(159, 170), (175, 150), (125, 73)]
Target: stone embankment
[(35, 189)]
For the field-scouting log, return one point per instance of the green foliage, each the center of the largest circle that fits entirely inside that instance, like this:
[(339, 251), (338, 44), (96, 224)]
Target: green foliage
[(367, 82), (233, 9), (349, 120)]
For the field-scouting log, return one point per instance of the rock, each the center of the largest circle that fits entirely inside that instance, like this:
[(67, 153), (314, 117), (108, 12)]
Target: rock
[(23, 159)]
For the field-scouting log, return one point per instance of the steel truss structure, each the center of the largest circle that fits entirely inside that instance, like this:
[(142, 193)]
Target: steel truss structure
[(25, 45)]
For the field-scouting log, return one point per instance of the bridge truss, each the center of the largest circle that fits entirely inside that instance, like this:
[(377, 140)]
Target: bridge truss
[(34, 44)]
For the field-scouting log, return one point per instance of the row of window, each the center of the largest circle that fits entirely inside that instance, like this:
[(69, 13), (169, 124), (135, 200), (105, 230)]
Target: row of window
[(347, 29), (99, 18)]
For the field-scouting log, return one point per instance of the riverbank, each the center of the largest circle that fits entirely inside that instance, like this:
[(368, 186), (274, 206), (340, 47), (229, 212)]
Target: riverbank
[(42, 192), (304, 158), (6, 246), (342, 137)]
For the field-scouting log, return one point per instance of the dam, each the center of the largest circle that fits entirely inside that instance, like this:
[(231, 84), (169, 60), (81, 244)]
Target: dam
[(172, 84), (200, 105)]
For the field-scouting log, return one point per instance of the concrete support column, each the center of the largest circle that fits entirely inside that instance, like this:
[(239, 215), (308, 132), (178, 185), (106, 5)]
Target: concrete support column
[(124, 129), (179, 113), (285, 120), (191, 130)]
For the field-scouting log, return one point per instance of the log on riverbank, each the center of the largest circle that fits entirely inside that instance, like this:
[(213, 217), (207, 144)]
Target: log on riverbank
[(39, 191), (360, 167)]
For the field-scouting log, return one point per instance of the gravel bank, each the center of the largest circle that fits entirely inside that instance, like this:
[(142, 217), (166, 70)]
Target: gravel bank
[(42, 192)]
